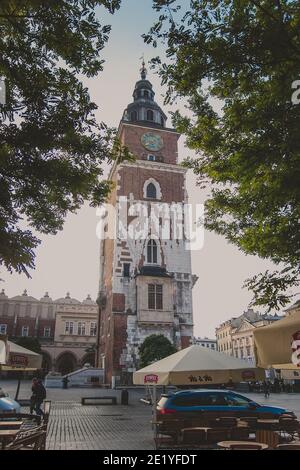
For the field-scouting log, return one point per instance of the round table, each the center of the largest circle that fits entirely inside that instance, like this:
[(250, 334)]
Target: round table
[(227, 444), (6, 435), (268, 421)]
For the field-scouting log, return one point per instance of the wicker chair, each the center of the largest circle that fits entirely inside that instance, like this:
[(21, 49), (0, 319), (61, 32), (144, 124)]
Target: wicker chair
[(192, 436), (226, 422), (266, 436), (34, 439), (213, 436), (290, 427), (239, 434)]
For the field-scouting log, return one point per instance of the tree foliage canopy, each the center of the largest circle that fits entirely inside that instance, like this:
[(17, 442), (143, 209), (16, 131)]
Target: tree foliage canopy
[(154, 348), (30, 343), (51, 147), (243, 55)]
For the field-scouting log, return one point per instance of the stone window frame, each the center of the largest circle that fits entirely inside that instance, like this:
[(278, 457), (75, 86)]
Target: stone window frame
[(155, 296), (25, 328), (48, 330), (93, 328), (68, 327), (81, 329), (157, 187)]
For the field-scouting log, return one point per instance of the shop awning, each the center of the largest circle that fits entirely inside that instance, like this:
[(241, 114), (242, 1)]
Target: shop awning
[(278, 345)]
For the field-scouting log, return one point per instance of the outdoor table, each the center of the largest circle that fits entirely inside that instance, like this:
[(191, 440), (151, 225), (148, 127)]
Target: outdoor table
[(10, 424), (227, 444), (268, 421), (196, 428), (6, 435)]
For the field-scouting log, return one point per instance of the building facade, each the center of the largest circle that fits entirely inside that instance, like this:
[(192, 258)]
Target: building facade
[(235, 336), (223, 335), (206, 343), (66, 328), (293, 308), (145, 280)]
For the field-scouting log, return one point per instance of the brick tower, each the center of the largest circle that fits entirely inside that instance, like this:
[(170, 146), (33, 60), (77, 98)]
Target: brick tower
[(145, 282)]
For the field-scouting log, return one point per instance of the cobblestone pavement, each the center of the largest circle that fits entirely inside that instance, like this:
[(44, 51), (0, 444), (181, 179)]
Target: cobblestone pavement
[(72, 426), (111, 427)]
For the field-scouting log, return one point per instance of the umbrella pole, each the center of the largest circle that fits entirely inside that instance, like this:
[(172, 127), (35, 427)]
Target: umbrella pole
[(154, 403), (18, 388), (154, 411)]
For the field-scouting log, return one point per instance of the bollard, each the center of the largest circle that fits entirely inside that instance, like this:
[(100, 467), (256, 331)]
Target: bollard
[(124, 397)]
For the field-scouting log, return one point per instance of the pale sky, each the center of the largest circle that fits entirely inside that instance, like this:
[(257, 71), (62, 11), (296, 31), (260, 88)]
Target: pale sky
[(69, 261)]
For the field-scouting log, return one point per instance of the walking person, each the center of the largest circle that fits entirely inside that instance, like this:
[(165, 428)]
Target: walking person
[(33, 396), (266, 388), (38, 396)]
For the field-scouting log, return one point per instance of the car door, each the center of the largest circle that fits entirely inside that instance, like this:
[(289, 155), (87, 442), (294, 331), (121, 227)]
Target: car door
[(215, 404), (239, 405)]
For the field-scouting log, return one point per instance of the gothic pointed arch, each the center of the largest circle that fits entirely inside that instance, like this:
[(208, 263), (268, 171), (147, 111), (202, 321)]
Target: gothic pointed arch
[(152, 251), (151, 189)]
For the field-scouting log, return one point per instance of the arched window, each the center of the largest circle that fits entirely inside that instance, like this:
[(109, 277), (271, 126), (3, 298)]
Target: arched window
[(146, 94), (133, 116), (151, 158), (152, 251), (150, 115), (151, 191)]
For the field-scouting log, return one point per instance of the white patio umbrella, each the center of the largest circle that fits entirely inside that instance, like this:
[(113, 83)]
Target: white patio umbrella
[(197, 365), (16, 358)]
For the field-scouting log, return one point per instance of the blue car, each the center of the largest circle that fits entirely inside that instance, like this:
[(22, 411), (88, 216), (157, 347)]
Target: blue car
[(218, 402), (8, 405)]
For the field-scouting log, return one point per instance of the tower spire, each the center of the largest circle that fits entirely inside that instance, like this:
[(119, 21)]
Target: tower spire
[(143, 69)]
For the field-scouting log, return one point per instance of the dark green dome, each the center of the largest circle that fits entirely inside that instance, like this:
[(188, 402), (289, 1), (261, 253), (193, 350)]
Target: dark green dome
[(143, 109)]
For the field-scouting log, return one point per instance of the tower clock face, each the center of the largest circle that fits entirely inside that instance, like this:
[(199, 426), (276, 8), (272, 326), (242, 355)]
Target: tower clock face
[(152, 141)]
